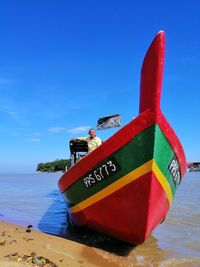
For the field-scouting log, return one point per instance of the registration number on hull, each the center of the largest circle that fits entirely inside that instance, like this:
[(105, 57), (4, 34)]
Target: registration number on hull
[(101, 172), (174, 170)]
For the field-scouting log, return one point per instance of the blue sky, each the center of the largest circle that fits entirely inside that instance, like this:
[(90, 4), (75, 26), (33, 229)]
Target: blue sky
[(64, 64)]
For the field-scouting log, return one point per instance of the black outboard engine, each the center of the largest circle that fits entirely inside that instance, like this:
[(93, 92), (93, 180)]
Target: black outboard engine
[(78, 149)]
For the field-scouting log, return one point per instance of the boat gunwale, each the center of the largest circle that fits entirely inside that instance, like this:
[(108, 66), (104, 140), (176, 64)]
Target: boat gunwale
[(120, 139)]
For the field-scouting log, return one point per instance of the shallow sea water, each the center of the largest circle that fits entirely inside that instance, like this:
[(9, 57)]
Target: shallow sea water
[(35, 199)]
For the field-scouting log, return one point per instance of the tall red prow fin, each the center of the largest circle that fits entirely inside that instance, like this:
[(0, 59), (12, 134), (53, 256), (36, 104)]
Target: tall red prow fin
[(152, 73)]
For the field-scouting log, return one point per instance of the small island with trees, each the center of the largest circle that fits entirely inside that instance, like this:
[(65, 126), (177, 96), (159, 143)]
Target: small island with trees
[(54, 166)]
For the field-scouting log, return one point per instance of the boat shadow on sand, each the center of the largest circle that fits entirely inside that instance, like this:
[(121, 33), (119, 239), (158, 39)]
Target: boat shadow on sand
[(55, 221)]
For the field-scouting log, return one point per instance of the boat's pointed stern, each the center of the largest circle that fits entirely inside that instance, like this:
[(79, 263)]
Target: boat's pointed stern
[(152, 74)]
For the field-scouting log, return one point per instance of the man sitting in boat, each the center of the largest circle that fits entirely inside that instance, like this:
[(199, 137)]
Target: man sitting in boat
[(92, 140)]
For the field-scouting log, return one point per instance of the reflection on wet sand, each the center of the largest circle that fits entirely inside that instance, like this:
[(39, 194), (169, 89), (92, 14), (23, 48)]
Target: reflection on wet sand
[(117, 252)]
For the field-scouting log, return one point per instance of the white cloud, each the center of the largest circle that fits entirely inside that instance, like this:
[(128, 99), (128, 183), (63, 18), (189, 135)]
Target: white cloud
[(33, 140), (57, 129), (77, 130), (80, 129), (12, 113), (36, 133)]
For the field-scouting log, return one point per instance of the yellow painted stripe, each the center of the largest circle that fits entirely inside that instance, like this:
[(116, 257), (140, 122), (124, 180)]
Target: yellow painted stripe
[(135, 174), (163, 181)]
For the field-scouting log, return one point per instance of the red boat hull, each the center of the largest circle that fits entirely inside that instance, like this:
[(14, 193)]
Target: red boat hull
[(143, 165), (115, 214)]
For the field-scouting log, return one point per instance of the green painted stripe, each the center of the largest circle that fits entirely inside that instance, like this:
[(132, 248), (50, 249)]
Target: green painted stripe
[(163, 154), (125, 180), (141, 147), (120, 183)]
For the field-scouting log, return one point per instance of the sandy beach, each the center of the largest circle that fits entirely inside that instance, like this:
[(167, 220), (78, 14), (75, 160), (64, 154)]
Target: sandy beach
[(23, 246), (26, 247)]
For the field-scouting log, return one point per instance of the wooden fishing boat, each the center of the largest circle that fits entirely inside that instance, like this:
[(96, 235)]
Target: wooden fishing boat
[(126, 186)]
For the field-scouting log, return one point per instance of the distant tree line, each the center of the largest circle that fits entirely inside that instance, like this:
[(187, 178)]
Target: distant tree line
[(54, 166), (193, 166)]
